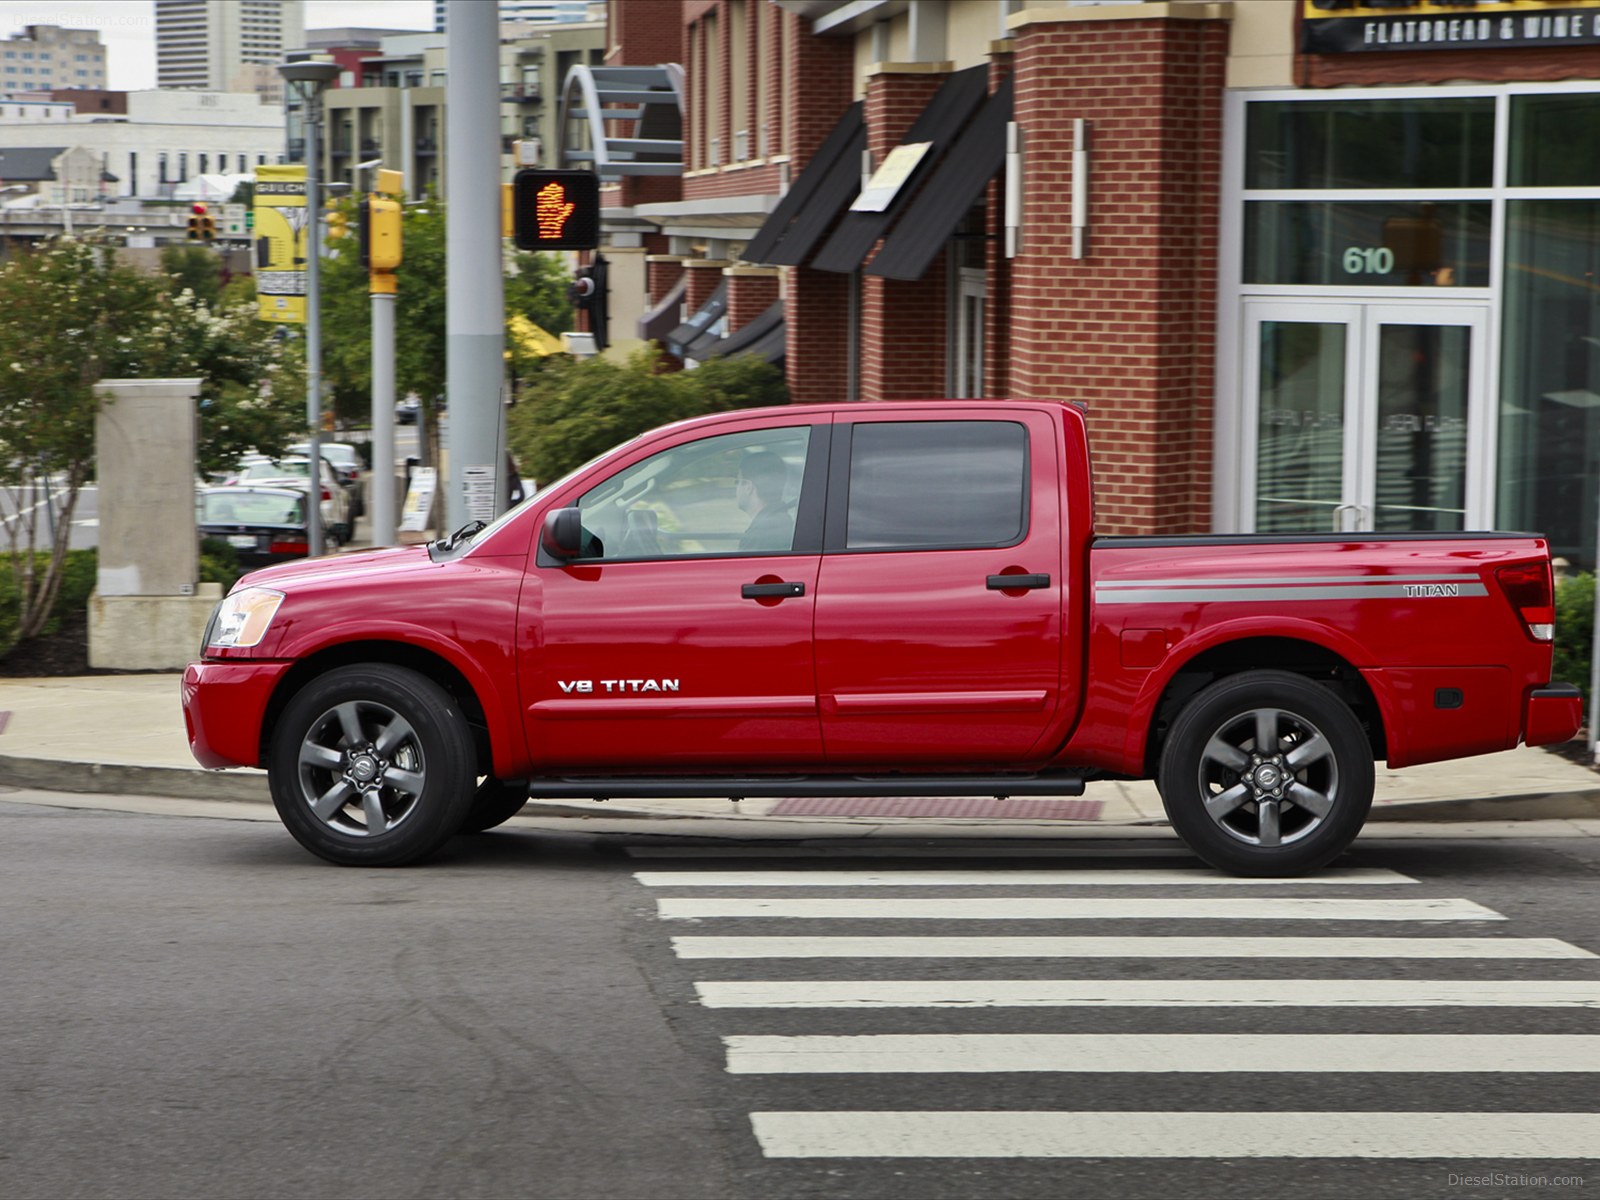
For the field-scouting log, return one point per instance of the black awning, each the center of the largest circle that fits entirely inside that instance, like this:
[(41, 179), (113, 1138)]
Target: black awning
[(695, 333), (950, 109), (954, 188), (828, 183), (658, 324), (762, 336)]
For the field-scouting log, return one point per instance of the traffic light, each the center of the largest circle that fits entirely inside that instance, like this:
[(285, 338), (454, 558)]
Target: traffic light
[(378, 222), (338, 224), (589, 292), (202, 225), (556, 210)]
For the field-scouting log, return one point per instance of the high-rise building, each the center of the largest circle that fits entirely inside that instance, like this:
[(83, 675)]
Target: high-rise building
[(44, 57), (535, 12), (219, 45)]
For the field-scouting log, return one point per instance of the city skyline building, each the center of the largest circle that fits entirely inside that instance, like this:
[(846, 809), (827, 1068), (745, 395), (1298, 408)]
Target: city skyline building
[(535, 12), (45, 57), (221, 45)]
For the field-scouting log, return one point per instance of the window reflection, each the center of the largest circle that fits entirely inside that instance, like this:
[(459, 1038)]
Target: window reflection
[(1550, 381)]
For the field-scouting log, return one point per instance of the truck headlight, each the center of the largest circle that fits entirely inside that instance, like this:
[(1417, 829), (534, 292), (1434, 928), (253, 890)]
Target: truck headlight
[(242, 618)]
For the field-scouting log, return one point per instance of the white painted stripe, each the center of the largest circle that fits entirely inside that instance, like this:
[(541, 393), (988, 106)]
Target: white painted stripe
[(1152, 993), (1479, 1136), (1125, 947), (1119, 1053), (1061, 877), (1028, 908)]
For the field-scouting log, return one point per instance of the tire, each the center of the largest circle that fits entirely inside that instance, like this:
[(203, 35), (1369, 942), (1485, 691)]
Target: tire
[(372, 743), (494, 804), (1284, 812)]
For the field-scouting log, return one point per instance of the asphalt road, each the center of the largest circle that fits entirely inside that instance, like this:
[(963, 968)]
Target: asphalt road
[(195, 1007)]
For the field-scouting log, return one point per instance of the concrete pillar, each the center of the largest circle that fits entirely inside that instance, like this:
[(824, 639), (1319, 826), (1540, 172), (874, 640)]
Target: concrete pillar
[(148, 611)]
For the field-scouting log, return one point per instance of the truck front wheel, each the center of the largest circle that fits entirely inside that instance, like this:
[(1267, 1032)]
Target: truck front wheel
[(1266, 773), (372, 766)]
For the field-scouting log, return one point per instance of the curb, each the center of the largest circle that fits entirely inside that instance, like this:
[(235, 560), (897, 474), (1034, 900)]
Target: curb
[(245, 785), (182, 783)]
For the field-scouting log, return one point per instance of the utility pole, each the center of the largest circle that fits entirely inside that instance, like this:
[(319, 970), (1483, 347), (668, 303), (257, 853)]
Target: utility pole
[(380, 229), (475, 299), (309, 77)]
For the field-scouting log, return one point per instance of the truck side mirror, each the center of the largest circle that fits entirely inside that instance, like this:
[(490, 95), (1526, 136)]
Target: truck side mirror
[(562, 535)]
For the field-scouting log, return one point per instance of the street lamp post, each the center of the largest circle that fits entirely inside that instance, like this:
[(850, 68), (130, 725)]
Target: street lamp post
[(308, 79)]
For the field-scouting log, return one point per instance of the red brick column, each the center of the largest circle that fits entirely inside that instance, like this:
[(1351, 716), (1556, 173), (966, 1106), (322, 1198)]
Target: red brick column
[(816, 313), (704, 276), (902, 321), (751, 291), (818, 78), (1130, 329), (997, 267), (661, 275)]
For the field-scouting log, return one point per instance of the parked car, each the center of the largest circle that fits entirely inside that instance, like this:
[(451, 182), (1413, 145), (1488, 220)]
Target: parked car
[(347, 464), (336, 516), (264, 525)]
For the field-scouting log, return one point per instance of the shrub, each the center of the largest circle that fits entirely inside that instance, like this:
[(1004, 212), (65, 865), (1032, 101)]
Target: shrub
[(219, 563), (570, 412), (1574, 631), (77, 582)]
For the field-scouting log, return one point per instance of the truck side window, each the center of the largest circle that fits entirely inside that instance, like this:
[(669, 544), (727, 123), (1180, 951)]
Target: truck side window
[(926, 484), (735, 493)]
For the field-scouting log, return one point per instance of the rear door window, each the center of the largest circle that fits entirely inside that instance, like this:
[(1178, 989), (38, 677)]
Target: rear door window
[(934, 485)]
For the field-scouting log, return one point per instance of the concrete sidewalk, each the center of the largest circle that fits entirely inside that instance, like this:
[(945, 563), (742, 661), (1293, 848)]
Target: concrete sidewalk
[(124, 734)]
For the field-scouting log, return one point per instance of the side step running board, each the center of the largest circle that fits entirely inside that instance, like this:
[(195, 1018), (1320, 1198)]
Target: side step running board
[(678, 787)]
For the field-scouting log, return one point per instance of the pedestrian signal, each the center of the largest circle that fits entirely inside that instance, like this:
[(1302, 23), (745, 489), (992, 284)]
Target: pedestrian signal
[(556, 210)]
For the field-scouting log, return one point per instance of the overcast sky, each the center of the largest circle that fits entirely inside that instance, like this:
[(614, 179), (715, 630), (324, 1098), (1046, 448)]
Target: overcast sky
[(128, 27)]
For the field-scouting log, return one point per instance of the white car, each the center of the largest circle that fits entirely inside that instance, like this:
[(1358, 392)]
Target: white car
[(347, 461), (336, 517)]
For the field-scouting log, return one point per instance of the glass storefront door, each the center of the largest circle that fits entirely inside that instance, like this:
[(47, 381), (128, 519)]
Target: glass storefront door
[(1365, 417)]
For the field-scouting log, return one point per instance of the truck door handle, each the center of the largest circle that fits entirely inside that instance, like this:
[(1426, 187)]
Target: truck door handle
[(1006, 583), (758, 591)]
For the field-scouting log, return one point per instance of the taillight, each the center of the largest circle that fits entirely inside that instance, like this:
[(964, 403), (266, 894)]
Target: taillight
[(290, 548), (1528, 587), (326, 494)]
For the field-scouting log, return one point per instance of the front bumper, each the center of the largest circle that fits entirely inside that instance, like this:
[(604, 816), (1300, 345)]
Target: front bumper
[(1552, 715), (224, 705)]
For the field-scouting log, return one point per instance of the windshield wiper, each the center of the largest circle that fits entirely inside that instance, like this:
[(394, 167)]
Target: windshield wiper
[(466, 533)]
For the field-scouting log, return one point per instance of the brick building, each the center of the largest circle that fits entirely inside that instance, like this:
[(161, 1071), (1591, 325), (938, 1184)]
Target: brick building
[(1310, 265)]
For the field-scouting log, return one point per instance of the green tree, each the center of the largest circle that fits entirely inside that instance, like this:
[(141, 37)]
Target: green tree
[(194, 267), (535, 287), (74, 317), (569, 412)]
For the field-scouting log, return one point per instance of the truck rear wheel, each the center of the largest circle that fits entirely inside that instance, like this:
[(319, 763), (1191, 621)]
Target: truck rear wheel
[(1266, 773), (372, 766)]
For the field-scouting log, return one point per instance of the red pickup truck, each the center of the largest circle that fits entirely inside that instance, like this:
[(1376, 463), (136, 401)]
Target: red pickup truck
[(869, 600)]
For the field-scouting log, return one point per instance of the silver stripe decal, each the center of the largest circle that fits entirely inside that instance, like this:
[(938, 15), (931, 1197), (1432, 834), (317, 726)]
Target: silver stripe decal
[(1239, 580), (1108, 595)]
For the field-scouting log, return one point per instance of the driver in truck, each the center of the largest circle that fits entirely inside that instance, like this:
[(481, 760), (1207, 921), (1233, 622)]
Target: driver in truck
[(759, 492)]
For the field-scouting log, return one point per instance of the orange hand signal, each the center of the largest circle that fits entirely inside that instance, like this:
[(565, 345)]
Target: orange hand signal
[(552, 210)]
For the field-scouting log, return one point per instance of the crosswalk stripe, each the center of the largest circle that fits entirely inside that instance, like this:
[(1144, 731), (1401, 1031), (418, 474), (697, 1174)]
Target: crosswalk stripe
[(1122, 947), (1480, 1136), (1119, 1053), (1062, 877), (1027, 908), (1152, 993)]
